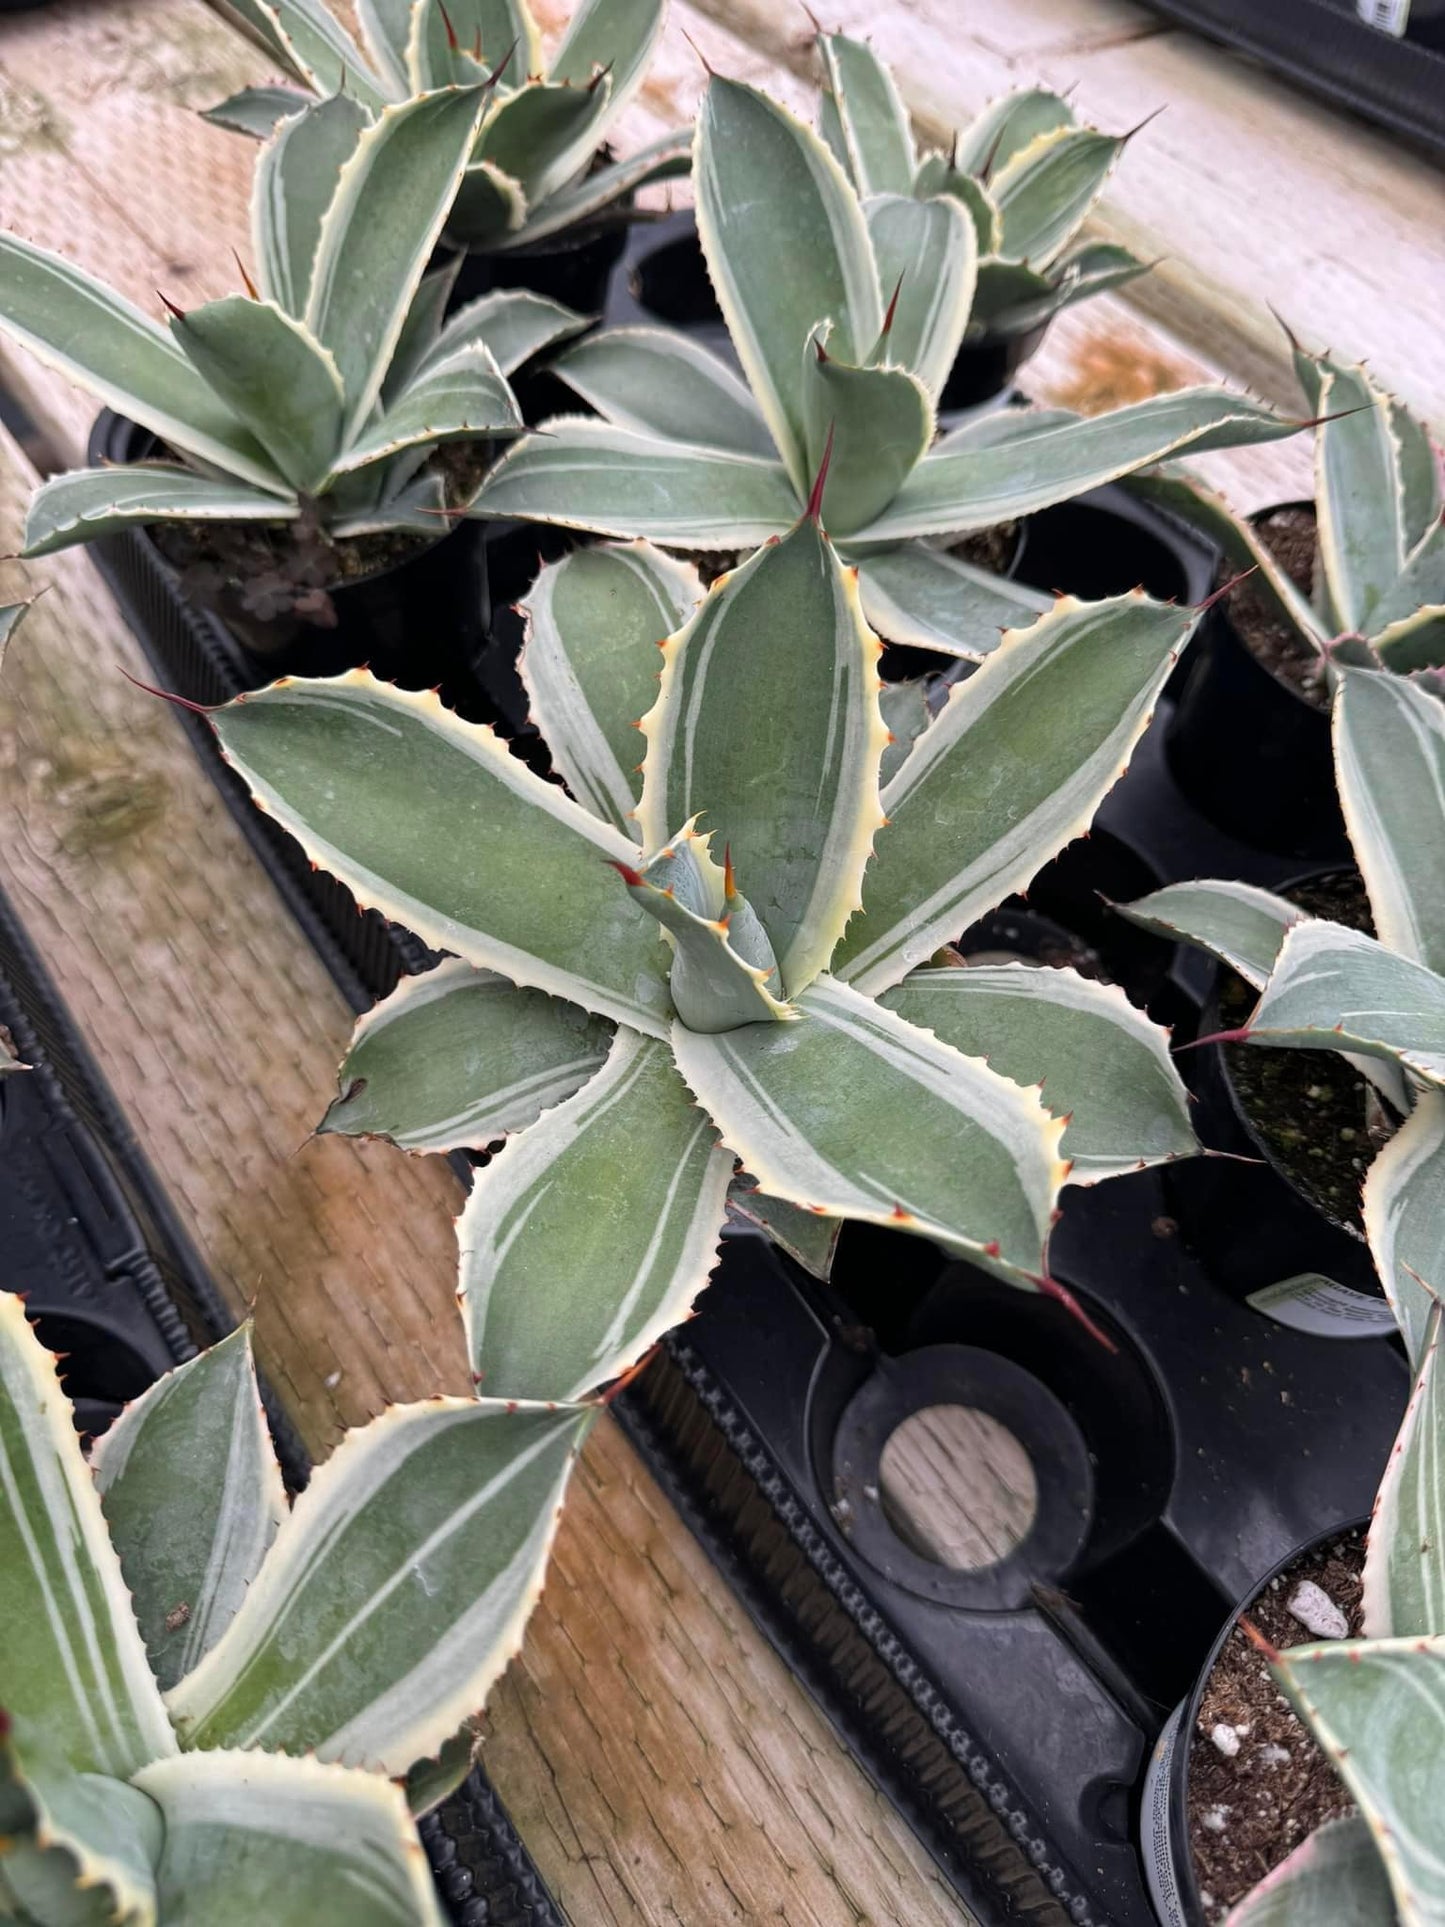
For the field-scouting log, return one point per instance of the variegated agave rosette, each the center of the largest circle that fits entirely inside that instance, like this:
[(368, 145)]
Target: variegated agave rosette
[(211, 1699), (1024, 170), (538, 166), (846, 316), (703, 960)]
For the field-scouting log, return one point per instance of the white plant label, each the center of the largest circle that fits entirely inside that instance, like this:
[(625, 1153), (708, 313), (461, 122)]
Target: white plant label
[(1316, 1304), (1390, 16)]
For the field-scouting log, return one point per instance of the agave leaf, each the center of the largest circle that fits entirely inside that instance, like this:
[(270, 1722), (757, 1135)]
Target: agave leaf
[(591, 1233), (933, 600), (1358, 496), (421, 331), (75, 1672), (1095, 270), (1390, 767), (878, 421), (294, 184), (11, 615), (192, 1494), (1376, 1707), (379, 230), (872, 120), (414, 505), (464, 397), (1239, 923), (1006, 126), (456, 1057), (595, 622), (663, 159), (906, 715), (1420, 584), (1011, 298), (1334, 1878), (489, 208), (89, 334), (534, 128), (810, 1238), (1336, 989), (431, 1781), (252, 1836), (397, 1590), (659, 382), (358, 771), (996, 786), (1101, 1063), (513, 322), (787, 247), (768, 720), (1417, 642), (611, 37), (1404, 1206), (256, 111), (926, 251), (1420, 479), (274, 377), (1044, 191), (1404, 1593), (310, 41), (968, 486), (587, 474), (89, 502), (385, 28), (851, 1109), (80, 1848)]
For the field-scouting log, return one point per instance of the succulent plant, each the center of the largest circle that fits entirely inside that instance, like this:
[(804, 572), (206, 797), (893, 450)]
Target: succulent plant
[(1378, 594), (538, 167), (1024, 171), (846, 321), (316, 399), (209, 1697)]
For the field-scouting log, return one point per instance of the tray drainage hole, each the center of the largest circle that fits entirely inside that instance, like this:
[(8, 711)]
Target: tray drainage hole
[(957, 1487)]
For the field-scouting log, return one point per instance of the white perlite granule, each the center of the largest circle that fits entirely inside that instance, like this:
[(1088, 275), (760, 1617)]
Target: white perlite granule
[(1216, 1819), (1317, 1612), (1226, 1738)]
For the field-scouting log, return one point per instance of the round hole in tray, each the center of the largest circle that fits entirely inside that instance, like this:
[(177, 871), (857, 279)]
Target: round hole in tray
[(957, 1486)]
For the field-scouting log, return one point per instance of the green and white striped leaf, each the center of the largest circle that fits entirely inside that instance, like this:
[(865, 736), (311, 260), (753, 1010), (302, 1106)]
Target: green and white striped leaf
[(537, 129), (926, 251), (595, 623), (362, 773), (659, 382), (590, 1235), (1376, 1708), (313, 44), (257, 111), (91, 502), (295, 182), (768, 721), (966, 485), (385, 28), (878, 422), (810, 1238), (489, 209), (1013, 769), (379, 230), (192, 1495), (1334, 1878), (80, 1848), (1404, 1207), (905, 716), (74, 1670), (1044, 191), (1421, 484), (1011, 299), (395, 1593), (456, 1057), (1419, 587), (91, 335), (1358, 496), (1404, 1592), (1337, 989), (11, 616), (1240, 924), (1006, 126), (787, 248), (274, 377), (932, 600), (256, 1836), (611, 37), (421, 330), (513, 322), (853, 1110), (1417, 642), (871, 117), (1390, 768), (460, 398), (587, 474), (1095, 269), (664, 159), (1099, 1061)]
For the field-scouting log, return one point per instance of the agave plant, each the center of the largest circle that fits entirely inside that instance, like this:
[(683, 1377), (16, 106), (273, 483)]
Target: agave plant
[(209, 1697), (538, 166), (1024, 171), (1378, 593), (846, 321), (669, 970), (318, 398)]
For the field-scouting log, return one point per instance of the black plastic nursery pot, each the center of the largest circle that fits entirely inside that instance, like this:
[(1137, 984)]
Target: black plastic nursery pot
[(988, 365), (1248, 749), (1180, 1897), (575, 269)]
